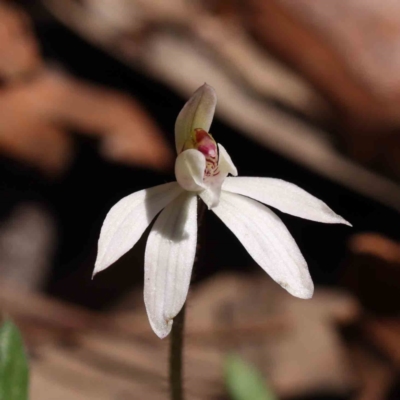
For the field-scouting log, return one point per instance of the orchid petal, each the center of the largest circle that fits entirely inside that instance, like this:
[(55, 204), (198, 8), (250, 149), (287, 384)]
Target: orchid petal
[(285, 197), (128, 219), (268, 241), (213, 184), (225, 164), (169, 258), (189, 170), (198, 112)]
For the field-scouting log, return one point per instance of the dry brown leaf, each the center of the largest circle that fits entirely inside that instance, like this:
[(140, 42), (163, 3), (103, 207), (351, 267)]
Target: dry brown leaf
[(36, 118), (19, 51), (299, 36), (38, 114), (28, 137), (127, 132)]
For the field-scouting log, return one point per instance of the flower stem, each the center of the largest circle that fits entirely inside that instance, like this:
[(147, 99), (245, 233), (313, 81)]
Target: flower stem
[(175, 360), (177, 336)]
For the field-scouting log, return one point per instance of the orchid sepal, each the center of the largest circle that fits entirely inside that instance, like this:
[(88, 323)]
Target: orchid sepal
[(198, 112)]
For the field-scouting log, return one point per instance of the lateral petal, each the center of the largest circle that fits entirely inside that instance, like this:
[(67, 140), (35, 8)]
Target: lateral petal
[(189, 170), (213, 184), (128, 219), (198, 112), (285, 197), (169, 258), (268, 241), (226, 164)]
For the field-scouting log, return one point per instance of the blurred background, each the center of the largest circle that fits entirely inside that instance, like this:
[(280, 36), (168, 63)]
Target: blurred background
[(308, 91)]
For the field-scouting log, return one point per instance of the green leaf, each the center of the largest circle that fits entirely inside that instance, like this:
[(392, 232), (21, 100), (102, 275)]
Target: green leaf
[(14, 372), (244, 382)]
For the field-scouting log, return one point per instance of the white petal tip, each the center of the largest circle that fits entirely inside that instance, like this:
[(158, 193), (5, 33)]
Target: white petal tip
[(306, 295), (332, 217), (164, 330), (206, 86), (96, 271), (302, 292), (340, 220), (98, 267)]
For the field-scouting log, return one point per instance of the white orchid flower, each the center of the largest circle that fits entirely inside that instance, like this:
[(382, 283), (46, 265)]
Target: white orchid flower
[(201, 169)]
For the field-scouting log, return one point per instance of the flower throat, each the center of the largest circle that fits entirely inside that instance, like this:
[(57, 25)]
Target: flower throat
[(204, 142)]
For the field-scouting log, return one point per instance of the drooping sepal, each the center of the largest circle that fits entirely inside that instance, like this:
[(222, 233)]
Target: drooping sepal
[(169, 258)]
